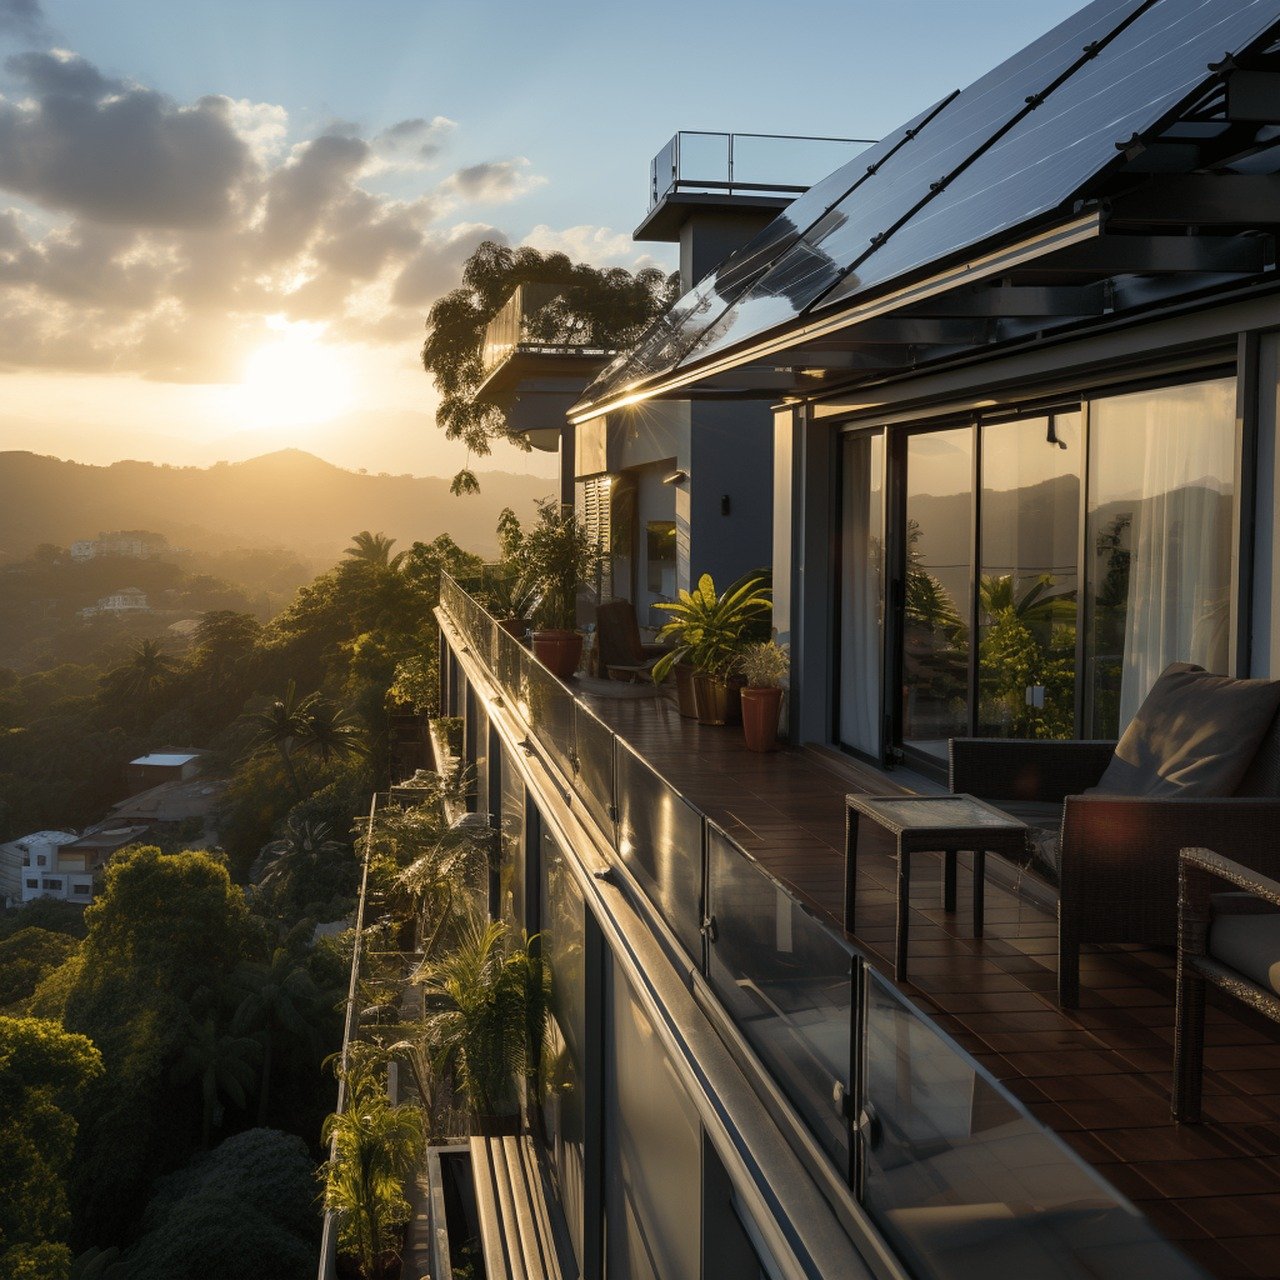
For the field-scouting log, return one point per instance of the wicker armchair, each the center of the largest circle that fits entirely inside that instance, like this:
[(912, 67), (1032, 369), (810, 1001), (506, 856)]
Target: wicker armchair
[(1230, 939), (621, 655), (1117, 869)]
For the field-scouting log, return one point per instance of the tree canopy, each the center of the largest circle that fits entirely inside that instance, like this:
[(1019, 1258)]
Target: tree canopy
[(603, 308)]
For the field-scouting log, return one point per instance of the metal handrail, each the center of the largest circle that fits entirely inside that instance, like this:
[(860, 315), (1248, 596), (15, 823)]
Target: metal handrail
[(329, 1235), (668, 164)]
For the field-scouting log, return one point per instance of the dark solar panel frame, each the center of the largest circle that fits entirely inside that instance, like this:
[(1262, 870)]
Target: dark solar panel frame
[(980, 115)]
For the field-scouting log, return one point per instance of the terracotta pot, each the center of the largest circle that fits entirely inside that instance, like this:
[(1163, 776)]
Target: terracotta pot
[(514, 626), (760, 710), (715, 699), (685, 701), (558, 651)]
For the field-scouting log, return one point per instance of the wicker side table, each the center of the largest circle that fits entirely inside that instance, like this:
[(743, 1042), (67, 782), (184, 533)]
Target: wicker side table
[(919, 824)]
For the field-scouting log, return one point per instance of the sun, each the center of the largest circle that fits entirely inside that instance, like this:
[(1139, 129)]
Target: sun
[(295, 378)]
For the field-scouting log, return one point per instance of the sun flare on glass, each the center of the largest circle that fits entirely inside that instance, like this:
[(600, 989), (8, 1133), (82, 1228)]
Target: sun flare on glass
[(295, 378)]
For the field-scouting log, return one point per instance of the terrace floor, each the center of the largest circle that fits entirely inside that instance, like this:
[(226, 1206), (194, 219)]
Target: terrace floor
[(1100, 1075)]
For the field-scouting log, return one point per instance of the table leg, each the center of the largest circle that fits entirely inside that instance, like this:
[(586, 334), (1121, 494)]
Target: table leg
[(850, 865), (949, 880), (979, 887), (904, 904)]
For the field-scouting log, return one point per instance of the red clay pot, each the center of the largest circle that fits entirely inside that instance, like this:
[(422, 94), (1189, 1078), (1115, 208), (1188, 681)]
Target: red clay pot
[(760, 710), (558, 651), (514, 626)]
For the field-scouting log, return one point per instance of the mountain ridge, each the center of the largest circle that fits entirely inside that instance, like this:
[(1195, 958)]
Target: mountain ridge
[(286, 498)]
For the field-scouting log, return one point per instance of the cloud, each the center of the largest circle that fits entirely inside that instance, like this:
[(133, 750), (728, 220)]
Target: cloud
[(412, 144), (22, 18), (492, 182), (85, 144), (600, 246), (160, 238), (437, 267)]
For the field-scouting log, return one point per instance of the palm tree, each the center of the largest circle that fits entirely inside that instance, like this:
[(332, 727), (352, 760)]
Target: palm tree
[(330, 733), (374, 549), (282, 997), (376, 1148), (295, 856), (280, 727), (147, 671), (440, 887), (223, 1064)]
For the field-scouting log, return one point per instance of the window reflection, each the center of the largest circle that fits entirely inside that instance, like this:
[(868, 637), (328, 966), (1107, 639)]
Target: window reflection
[(939, 536), (1027, 591)]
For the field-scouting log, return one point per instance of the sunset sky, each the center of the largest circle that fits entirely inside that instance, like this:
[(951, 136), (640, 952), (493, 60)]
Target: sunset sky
[(222, 222)]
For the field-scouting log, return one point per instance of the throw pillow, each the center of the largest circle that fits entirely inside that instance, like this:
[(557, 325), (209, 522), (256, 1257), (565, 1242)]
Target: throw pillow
[(1195, 735)]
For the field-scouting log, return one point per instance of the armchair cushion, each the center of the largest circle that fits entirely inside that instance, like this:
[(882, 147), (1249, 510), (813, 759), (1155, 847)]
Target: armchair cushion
[(1249, 943), (1195, 735)]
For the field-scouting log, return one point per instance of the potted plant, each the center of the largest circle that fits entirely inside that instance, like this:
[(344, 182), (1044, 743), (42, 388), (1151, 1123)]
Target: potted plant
[(709, 631), (485, 1004), (555, 556), (511, 598), (763, 667)]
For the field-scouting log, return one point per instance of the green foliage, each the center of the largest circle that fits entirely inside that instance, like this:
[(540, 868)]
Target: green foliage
[(44, 913), (376, 1149), (27, 958), (43, 1075), (245, 1211), (764, 665), (486, 1002), (599, 308), (710, 630), (551, 561)]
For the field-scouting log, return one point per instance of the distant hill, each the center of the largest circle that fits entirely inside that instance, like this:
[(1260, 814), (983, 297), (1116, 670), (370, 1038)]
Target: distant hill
[(288, 499)]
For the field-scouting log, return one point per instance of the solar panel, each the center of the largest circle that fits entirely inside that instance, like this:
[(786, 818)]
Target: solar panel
[(1136, 79), (669, 337), (811, 267)]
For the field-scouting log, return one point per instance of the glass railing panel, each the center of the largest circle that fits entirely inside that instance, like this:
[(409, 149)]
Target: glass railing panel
[(550, 714), (593, 751), (787, 982), (660, 840), (964, 1182), (506, 668)]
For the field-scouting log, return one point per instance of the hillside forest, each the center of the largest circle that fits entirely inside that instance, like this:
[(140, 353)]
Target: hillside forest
[(163, 1051)]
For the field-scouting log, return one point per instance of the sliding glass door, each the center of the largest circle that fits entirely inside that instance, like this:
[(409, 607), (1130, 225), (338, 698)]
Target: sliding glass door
[(1043, 569), (938, 581)]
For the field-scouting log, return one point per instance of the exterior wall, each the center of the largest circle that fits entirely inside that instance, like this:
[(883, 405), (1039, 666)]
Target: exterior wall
[(1265, 646)]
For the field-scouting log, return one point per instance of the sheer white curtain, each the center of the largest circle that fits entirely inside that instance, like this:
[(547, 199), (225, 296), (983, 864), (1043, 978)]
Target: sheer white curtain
[(1180, 568), (861, 592)]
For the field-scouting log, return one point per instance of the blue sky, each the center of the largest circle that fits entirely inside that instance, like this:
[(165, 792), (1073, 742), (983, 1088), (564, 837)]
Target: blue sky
[(538, 122)]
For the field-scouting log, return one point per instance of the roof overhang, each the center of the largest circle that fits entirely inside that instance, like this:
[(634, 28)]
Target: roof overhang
[(1176, 235), (663, 222), (532, 361)]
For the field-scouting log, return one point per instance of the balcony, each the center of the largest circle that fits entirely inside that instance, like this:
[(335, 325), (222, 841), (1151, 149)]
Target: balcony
[(965, 1091), (531, 337)]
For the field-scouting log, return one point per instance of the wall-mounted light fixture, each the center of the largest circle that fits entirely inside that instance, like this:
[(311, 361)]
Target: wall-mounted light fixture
[(725, 504), (678, 476)]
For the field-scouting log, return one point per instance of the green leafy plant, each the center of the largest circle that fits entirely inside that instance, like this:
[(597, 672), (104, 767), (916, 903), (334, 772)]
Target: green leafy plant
[(764, 665), (709, 630), (554, 558), (486, 1004)]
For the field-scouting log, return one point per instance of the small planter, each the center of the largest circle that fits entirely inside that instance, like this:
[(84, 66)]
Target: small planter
[(514, 626), (558, 651), (715, 699), (686, 702), (760, 710)]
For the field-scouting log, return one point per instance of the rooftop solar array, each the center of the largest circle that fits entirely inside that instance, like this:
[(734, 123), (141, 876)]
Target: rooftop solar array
[(1019, 143)]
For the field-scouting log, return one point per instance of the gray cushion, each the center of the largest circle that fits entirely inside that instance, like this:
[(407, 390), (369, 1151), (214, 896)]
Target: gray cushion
[(1249, 944), (1044, 832), (1194, 735), (1262, 778)]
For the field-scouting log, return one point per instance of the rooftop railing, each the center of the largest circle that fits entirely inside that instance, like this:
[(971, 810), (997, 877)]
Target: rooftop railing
[(760, 164), (957, 1175)]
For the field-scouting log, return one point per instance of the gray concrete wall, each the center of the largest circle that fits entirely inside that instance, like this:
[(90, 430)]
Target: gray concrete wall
[(732, 459), (1265, 649)]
